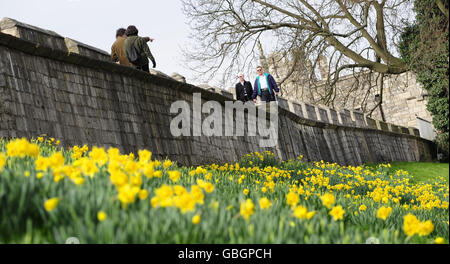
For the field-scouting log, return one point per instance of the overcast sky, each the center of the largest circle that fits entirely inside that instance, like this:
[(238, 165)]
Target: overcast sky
[(94, 22)]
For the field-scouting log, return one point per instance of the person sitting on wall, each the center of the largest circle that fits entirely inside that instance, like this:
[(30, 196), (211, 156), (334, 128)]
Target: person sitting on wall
[(244, 89), (117, 50), (137, 50), (265, 86)]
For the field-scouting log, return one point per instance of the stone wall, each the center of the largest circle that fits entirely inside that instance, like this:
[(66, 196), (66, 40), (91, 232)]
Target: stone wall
[(404, 99), (75, 94)]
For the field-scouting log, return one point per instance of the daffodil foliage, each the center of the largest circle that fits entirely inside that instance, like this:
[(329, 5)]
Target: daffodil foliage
[(98, 195)]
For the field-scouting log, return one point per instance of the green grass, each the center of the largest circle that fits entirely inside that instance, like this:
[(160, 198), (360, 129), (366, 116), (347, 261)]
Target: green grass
[(426, 172)]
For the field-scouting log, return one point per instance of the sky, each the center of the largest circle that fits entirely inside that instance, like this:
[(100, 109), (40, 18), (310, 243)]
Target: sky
[(94, 22)]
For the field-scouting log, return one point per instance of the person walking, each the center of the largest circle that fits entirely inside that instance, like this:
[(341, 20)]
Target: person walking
[(244, 89), (137, 45), (265, 86), (117, 51)]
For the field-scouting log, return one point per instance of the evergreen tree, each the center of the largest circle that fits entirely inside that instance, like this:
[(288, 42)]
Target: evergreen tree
[(424, 47)]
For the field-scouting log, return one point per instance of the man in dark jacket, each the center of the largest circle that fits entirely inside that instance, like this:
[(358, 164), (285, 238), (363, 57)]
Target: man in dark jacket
[(141, 47), (265, 86), (243, 89)]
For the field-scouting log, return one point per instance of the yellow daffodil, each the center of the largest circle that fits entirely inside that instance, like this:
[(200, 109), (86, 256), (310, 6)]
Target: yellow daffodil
[(264, 203), (101, 216), (384, 212), (439, 240), (328, 200), (247, 209), (143, 194), (2, 161), (51, 204), (174, 175), (337, 212), (292, 198), (196, 219)]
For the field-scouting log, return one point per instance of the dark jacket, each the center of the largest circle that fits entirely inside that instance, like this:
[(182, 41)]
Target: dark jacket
[(141, 47), (271, 82), (242, 89)]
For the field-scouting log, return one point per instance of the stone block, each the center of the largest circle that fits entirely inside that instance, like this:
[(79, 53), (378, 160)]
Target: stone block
[(394, 128), (31, 33), (370, 122), (283, 103), (323, 115), (333, 116), (382, 125), (311, 111), (358, 118), (296, 108)]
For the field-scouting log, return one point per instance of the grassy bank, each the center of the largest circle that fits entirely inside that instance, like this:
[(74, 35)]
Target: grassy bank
[(421, 171)]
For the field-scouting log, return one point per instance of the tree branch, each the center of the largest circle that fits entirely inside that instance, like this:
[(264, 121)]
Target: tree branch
[(441, 7)]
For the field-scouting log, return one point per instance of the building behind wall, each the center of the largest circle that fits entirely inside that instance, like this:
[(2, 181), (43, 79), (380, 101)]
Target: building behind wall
[(403, 99)]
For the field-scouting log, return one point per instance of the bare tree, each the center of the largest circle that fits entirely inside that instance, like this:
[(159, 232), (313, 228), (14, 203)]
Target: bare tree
[(354, 35)]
